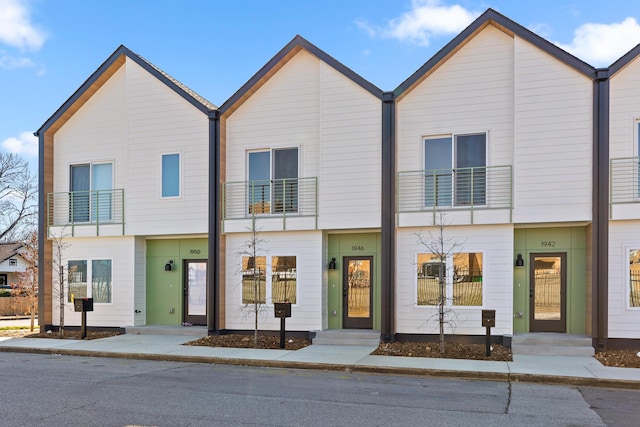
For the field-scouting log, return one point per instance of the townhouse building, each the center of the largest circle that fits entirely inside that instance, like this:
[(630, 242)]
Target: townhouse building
[(312, 186)]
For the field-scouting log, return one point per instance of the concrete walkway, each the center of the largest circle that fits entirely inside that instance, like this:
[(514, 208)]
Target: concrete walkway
[(546, 369)]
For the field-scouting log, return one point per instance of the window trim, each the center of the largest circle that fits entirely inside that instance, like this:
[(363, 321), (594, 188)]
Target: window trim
[(180, 174), (269, 279), (89, 281), (627, 273), (452, 136), (449, 265)]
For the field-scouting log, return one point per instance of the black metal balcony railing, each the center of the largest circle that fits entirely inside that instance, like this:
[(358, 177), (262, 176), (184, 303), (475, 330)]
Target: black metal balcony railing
[(455, 189), (624, 181), (270, 198), (85, 208)]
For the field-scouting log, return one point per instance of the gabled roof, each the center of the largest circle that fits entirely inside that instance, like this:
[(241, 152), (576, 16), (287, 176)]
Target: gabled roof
[(9, 250), (491, 17), (624, 60), (279, 60), (105, 71)]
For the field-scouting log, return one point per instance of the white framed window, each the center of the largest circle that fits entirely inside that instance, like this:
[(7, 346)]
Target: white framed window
[(13, 262), (96, 272), (461, 275), (455, 169), (170, 175), (269, 279), (91, 192), (272, 177)]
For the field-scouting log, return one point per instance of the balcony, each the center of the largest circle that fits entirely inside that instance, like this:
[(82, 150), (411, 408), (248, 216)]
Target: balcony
[(85, 213), (624, 188), (279, 204), (466, 195)]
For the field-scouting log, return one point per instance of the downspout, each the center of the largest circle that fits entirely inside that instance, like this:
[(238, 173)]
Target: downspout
[(388, 225), (42, 231), (213, 279), (600, 229)]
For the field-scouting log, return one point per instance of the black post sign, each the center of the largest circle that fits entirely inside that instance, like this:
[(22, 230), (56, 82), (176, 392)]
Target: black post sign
[(83, 305), (282, 310), (488, 321)]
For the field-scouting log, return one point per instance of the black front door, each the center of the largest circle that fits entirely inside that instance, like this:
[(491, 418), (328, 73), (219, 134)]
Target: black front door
[(357, 291), (547, 292), (195, 292)]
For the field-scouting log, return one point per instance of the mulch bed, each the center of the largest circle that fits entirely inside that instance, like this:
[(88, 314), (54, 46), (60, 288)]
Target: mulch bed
[(452, 351), (620, 358), (246, 341)]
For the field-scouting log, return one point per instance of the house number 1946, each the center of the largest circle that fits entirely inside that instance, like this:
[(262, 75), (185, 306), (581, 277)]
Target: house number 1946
[(357, 248)]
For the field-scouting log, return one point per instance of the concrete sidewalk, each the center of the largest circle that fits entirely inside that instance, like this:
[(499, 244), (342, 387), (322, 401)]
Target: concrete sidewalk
[(546, 369)]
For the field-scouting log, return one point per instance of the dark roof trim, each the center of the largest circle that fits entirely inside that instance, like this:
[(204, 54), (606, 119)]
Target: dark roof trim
[(299, 42), (624, 60), (489, 16), (190, 96)]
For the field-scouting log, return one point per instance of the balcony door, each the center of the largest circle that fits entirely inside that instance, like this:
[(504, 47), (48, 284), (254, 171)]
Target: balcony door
[(91, 192), (273, 181)]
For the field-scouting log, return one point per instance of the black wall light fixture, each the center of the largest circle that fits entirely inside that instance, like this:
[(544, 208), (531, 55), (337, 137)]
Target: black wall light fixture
[(167, 266), (519, 261), (332, 264)]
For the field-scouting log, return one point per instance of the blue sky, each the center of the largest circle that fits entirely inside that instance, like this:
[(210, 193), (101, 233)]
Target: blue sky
[(48, 48)]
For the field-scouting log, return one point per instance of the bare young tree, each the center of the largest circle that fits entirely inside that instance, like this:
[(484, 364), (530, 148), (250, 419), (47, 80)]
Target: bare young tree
[(58, 274), (441, 248), (253, 276), (27, 284), (18, 195)]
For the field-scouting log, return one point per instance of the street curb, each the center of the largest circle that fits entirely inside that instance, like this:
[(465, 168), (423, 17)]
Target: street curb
[(422, 372)]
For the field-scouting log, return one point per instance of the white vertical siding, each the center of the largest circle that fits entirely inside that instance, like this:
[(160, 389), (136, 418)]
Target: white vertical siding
[(140, 281), (120, 250), (95, 133), (162, 122), (623, 320), (553, 139), (307, 313), (624, 110), (471, 92), (335, 123), (496, 245)]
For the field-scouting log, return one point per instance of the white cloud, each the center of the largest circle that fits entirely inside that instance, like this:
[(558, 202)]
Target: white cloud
[(11, 62), (427, 18), (26, 144), (601, 44), (16, 28)]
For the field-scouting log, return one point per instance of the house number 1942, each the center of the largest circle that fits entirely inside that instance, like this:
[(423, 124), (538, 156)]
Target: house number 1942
[(548, 244)]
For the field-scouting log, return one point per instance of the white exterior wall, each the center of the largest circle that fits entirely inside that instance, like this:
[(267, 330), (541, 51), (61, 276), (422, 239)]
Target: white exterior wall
[(553, 139), (623, 319), (496, 245), (336, 125), (120, 250), (624, 235), (140, 282), (306, 314), (162, 122), (131, 121), (471, 92)]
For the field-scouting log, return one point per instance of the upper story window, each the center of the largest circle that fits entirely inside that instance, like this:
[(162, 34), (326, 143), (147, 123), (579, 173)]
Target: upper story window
[(171, 175), (273, 181), (455, 170), (91, 188)]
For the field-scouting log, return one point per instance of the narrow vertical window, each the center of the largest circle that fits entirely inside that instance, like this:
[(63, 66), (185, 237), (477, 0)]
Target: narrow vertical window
[(467, 279), (170, 175), (254, 280), (283, 279), (77, 277), (438, 173), (259, 187), (101, 281), (634, 278), (431, 279)]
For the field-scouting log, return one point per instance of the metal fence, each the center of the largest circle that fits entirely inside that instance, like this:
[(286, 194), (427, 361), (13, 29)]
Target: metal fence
[(624, 181), (462, 188), (85, 208), (467, 290)]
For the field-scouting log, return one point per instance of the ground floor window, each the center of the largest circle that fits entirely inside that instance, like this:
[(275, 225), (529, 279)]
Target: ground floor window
[(634, 278), (269, 279), (99, 271), (458, 285)]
